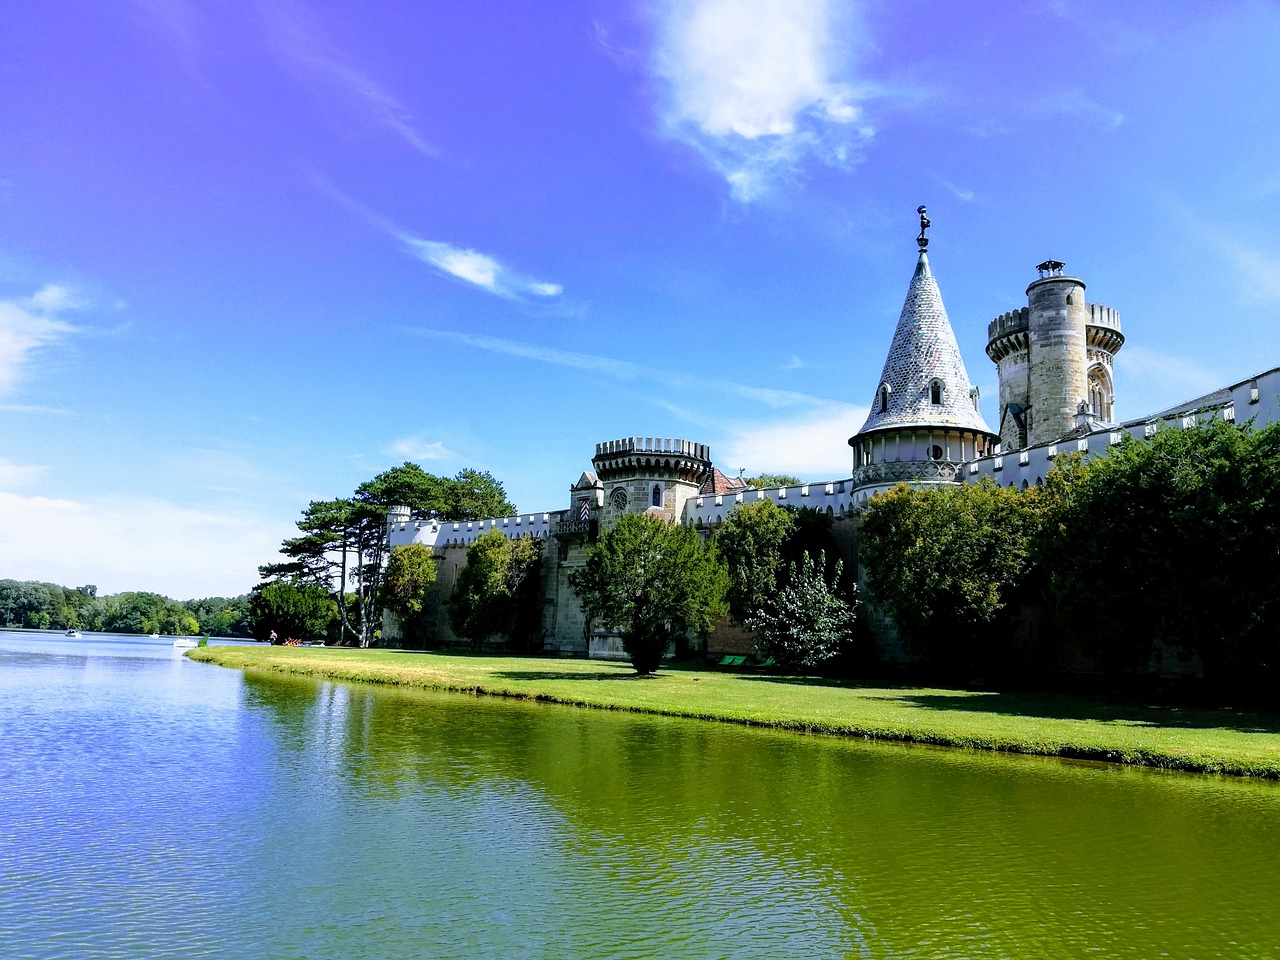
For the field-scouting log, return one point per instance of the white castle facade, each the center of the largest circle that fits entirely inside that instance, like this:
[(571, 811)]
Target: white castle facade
[(1054, 361)]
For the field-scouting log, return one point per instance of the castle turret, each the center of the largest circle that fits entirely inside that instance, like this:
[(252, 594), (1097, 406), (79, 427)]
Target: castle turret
[(1054, 360), (641, 474), (924, 421)]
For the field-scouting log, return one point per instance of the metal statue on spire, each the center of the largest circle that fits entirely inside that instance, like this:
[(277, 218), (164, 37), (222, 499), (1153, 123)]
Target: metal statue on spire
[(924, 225)]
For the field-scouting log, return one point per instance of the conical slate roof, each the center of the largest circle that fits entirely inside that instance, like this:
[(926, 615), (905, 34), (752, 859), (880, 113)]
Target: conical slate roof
[(923, 351)]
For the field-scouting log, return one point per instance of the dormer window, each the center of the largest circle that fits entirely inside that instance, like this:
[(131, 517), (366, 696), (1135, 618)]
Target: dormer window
[(885, 390), (935, 392)]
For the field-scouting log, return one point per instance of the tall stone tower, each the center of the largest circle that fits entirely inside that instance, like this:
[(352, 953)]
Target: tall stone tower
[(924, 422), (1054, 360)]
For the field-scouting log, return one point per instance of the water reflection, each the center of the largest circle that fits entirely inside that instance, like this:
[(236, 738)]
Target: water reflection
[(733, 835), (150, 806)]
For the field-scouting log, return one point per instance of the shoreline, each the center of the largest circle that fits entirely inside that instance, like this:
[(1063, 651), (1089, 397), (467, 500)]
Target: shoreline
[(1223, 742)]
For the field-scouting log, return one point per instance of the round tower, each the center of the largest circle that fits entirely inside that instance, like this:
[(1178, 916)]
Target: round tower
[(643, 474), (1057, 367), (1054, 360)]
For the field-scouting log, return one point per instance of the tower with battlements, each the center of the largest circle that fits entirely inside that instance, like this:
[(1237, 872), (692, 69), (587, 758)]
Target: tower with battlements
[(1054, 360)]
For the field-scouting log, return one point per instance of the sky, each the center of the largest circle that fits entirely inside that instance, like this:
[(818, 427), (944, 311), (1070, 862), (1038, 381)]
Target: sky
[(254, 253)]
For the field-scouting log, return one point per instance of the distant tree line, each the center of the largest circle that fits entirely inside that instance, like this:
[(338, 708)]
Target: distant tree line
[(1171, 540), (48, 605)]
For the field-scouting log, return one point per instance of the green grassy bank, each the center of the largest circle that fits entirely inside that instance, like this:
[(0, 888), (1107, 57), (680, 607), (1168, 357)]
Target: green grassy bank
[(1206, 741)]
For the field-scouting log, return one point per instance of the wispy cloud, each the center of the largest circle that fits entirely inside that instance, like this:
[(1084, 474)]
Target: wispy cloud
[(1256, 268), (813, 445), (415, 448), (794, 363), (960, 193), (1073, 103), (30, 323), (755, 87), (303, 45), (1160, 379), (623, 370), (479, 269), (33, 408), (472, 266)]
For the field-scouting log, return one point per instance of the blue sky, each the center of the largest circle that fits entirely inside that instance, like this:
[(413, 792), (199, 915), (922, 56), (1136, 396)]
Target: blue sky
[(252, 254)]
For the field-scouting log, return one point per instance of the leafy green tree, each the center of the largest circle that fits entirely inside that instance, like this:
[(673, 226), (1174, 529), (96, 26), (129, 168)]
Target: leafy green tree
[(496, 593), (653, 581), (473, 495), (1177, 538), (292, 610), (750, 542), (806, 622), (408, 589), (769, 480), (342, 545), (947, 562)]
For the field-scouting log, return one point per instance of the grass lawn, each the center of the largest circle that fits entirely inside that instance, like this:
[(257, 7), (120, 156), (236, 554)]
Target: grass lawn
[(1207, 741)]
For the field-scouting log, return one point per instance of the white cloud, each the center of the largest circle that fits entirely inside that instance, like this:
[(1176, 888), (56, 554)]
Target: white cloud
[(480, 269), (623, 369), (811, 447), (137, 544), (795, 363), (30, 323), (415, 448), (14, 475), (753, 85)]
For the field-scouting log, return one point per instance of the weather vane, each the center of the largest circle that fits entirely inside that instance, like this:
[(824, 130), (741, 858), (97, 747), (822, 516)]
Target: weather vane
[(924, 225)]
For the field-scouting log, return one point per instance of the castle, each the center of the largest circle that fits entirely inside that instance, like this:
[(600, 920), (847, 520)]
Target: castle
[(1054, 361)]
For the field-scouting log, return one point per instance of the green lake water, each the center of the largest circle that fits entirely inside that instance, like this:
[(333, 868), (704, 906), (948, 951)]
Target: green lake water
[(151, 806)]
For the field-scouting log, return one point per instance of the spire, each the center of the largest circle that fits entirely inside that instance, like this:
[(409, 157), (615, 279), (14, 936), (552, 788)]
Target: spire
[(924, 382)]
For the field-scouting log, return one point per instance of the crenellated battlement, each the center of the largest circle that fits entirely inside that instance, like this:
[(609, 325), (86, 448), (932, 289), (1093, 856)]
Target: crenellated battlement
[(654, 445), (677, 459), (1015, 321)]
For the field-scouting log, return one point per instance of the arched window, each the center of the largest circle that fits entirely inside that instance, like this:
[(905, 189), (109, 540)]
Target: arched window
[(935, 452), (935, 392), (1101, 396), (884, 397), (657, 495)]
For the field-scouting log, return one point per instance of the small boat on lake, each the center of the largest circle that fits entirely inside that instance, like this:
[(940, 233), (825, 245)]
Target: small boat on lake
[(153, 636), (74, 634), (183, 643)]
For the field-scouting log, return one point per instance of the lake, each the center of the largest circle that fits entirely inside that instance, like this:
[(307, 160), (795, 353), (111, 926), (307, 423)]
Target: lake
[(151, 806)]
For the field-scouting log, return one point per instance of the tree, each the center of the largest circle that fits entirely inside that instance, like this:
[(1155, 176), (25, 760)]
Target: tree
[(806, 622), (1176, 538), (292, 610), (750, 542), (497, 591), (768, 480), (343, 543), (946, 563), (653, 581), (472, 495), (408, 589)]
